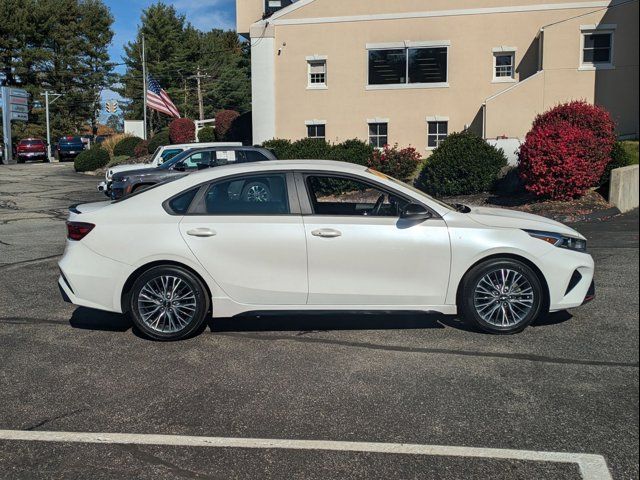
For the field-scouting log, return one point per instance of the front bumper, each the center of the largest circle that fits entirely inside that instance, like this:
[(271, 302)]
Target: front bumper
[(591, 293), (105, 187)]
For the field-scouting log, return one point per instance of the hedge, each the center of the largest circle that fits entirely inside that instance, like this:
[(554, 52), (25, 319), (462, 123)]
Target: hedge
[(92, 159), (395, 162), (567, 151), (462, 164), (352, 151), (224, 123), (207, 134), (160, 139), (126, 146), (620, 157), (182, 130)]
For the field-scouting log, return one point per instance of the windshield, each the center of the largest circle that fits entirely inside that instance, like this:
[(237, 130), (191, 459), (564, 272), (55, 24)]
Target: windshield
[(31, 142), (70, 140), (178, 158), (412, 188)]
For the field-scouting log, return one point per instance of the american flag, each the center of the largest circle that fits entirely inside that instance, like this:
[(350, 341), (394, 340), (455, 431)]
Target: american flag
[(158, 99)]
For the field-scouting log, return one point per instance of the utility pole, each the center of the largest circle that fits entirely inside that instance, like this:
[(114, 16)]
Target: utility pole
[(144, 87), (56, 96), (198, 78)]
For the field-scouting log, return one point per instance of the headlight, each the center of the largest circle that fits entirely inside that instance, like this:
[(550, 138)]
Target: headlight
[(561, 241)]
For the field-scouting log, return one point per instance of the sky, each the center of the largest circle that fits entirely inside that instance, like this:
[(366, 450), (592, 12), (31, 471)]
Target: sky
[(202, 14)]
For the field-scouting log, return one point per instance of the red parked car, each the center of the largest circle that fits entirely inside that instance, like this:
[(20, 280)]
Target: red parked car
[(31, 149)]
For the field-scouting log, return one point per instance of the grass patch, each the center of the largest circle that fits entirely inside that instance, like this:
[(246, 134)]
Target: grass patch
[(631, 147)]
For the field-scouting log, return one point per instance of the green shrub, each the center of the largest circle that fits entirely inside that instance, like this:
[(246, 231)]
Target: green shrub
[(207, 134), (126, 146), (400, 164), (311, 148), (620, 157), (160, 139), (463, 164), (142, 149), (282, 149), (352, 151), (92, 159), (119, 160)]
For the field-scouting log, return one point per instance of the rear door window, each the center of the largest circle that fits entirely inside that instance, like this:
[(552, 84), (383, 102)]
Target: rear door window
[(249, 195)]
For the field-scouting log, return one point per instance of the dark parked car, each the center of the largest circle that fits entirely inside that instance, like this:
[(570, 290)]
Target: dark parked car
[(69, 148), (31, 149), (189, 161)]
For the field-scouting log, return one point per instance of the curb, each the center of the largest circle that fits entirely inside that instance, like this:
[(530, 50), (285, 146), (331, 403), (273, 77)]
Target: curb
[(598, 215)]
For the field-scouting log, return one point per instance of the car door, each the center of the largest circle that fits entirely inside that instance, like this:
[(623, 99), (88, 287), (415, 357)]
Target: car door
[(252, 245), (361, 253)]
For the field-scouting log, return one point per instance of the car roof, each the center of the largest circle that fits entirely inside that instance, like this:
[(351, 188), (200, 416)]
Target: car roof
[(233, 168)]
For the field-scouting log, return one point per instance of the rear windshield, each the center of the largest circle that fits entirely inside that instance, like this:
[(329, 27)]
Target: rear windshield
[(31, 142), (70, 140)]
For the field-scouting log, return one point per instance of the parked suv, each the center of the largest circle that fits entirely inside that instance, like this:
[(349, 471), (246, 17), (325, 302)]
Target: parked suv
[(69, 148), (126, 183), (31, 149), (161, 155)]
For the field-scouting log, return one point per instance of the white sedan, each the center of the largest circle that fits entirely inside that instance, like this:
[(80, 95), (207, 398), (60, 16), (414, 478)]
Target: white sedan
[(315, 235)]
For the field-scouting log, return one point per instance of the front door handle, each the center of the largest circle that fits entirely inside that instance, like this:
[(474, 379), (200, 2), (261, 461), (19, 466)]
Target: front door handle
[(201, 232), (327, 233)]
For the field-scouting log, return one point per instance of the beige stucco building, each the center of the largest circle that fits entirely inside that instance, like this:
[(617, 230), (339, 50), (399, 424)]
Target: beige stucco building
[(412, 71)]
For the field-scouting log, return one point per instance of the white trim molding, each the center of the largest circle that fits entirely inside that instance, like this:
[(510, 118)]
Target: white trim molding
[(316, 58), (310, 123), (377, 120), (602, 26), (504, 49), (408, 44), (407, 86), (263, 92), (437, 118), (276, 19)]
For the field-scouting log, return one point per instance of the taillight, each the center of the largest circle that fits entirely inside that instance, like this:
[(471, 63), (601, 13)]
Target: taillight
[(78, 230)]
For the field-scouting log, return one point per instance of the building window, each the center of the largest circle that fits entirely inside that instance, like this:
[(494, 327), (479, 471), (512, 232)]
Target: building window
[(597, 48), (437, 131), (317, 73), (407, 66), (504, 66), (378, 134), (316, 131)]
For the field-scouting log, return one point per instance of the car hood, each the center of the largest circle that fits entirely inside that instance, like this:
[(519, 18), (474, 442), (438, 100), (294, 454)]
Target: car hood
[(138, 172), (129, 167), (503, 218)]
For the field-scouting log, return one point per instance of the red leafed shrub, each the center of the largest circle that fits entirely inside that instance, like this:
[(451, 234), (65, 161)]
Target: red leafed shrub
[(224, 122), (400, 164), (182, 130), (141, 149), (567, 150)]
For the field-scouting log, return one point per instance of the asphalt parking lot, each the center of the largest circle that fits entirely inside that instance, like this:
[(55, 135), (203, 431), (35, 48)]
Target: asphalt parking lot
[(569, 384)]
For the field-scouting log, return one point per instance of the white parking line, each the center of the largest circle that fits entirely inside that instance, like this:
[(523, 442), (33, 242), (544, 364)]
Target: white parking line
[(592, 467)]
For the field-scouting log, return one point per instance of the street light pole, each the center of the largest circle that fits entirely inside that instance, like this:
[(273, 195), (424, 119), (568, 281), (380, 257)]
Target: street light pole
[(46, 107)]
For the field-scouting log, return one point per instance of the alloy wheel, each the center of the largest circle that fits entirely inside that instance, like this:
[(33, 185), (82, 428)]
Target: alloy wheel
[(504, 297), (167, 304)]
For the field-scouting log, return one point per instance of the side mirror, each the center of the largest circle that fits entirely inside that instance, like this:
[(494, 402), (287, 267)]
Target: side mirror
[(413, 211), (203, 166), (180, 167)]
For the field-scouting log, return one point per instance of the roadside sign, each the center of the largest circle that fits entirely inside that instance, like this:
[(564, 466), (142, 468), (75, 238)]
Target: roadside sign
[(19, 108), (111, 106), (18, 100), (18, 92), (19, 116)]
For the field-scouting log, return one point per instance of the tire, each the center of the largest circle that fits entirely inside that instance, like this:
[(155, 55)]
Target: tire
[(161, 317), (258, 192), (501, 296)]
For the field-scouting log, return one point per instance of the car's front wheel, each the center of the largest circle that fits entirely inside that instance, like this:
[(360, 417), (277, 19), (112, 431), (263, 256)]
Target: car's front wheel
[(168, 303), (501, 296)]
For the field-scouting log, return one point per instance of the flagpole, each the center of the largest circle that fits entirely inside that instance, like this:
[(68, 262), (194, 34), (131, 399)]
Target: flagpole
[(144, 87)]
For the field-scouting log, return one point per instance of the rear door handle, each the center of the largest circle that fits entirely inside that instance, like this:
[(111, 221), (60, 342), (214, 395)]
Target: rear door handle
[(201, 232), (327, 233)]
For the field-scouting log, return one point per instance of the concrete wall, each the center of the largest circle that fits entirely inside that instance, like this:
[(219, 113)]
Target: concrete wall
[(623, 189)]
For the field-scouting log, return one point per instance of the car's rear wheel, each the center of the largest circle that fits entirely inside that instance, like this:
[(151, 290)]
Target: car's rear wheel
[(501, 296), (256, 192), (168, 303)]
